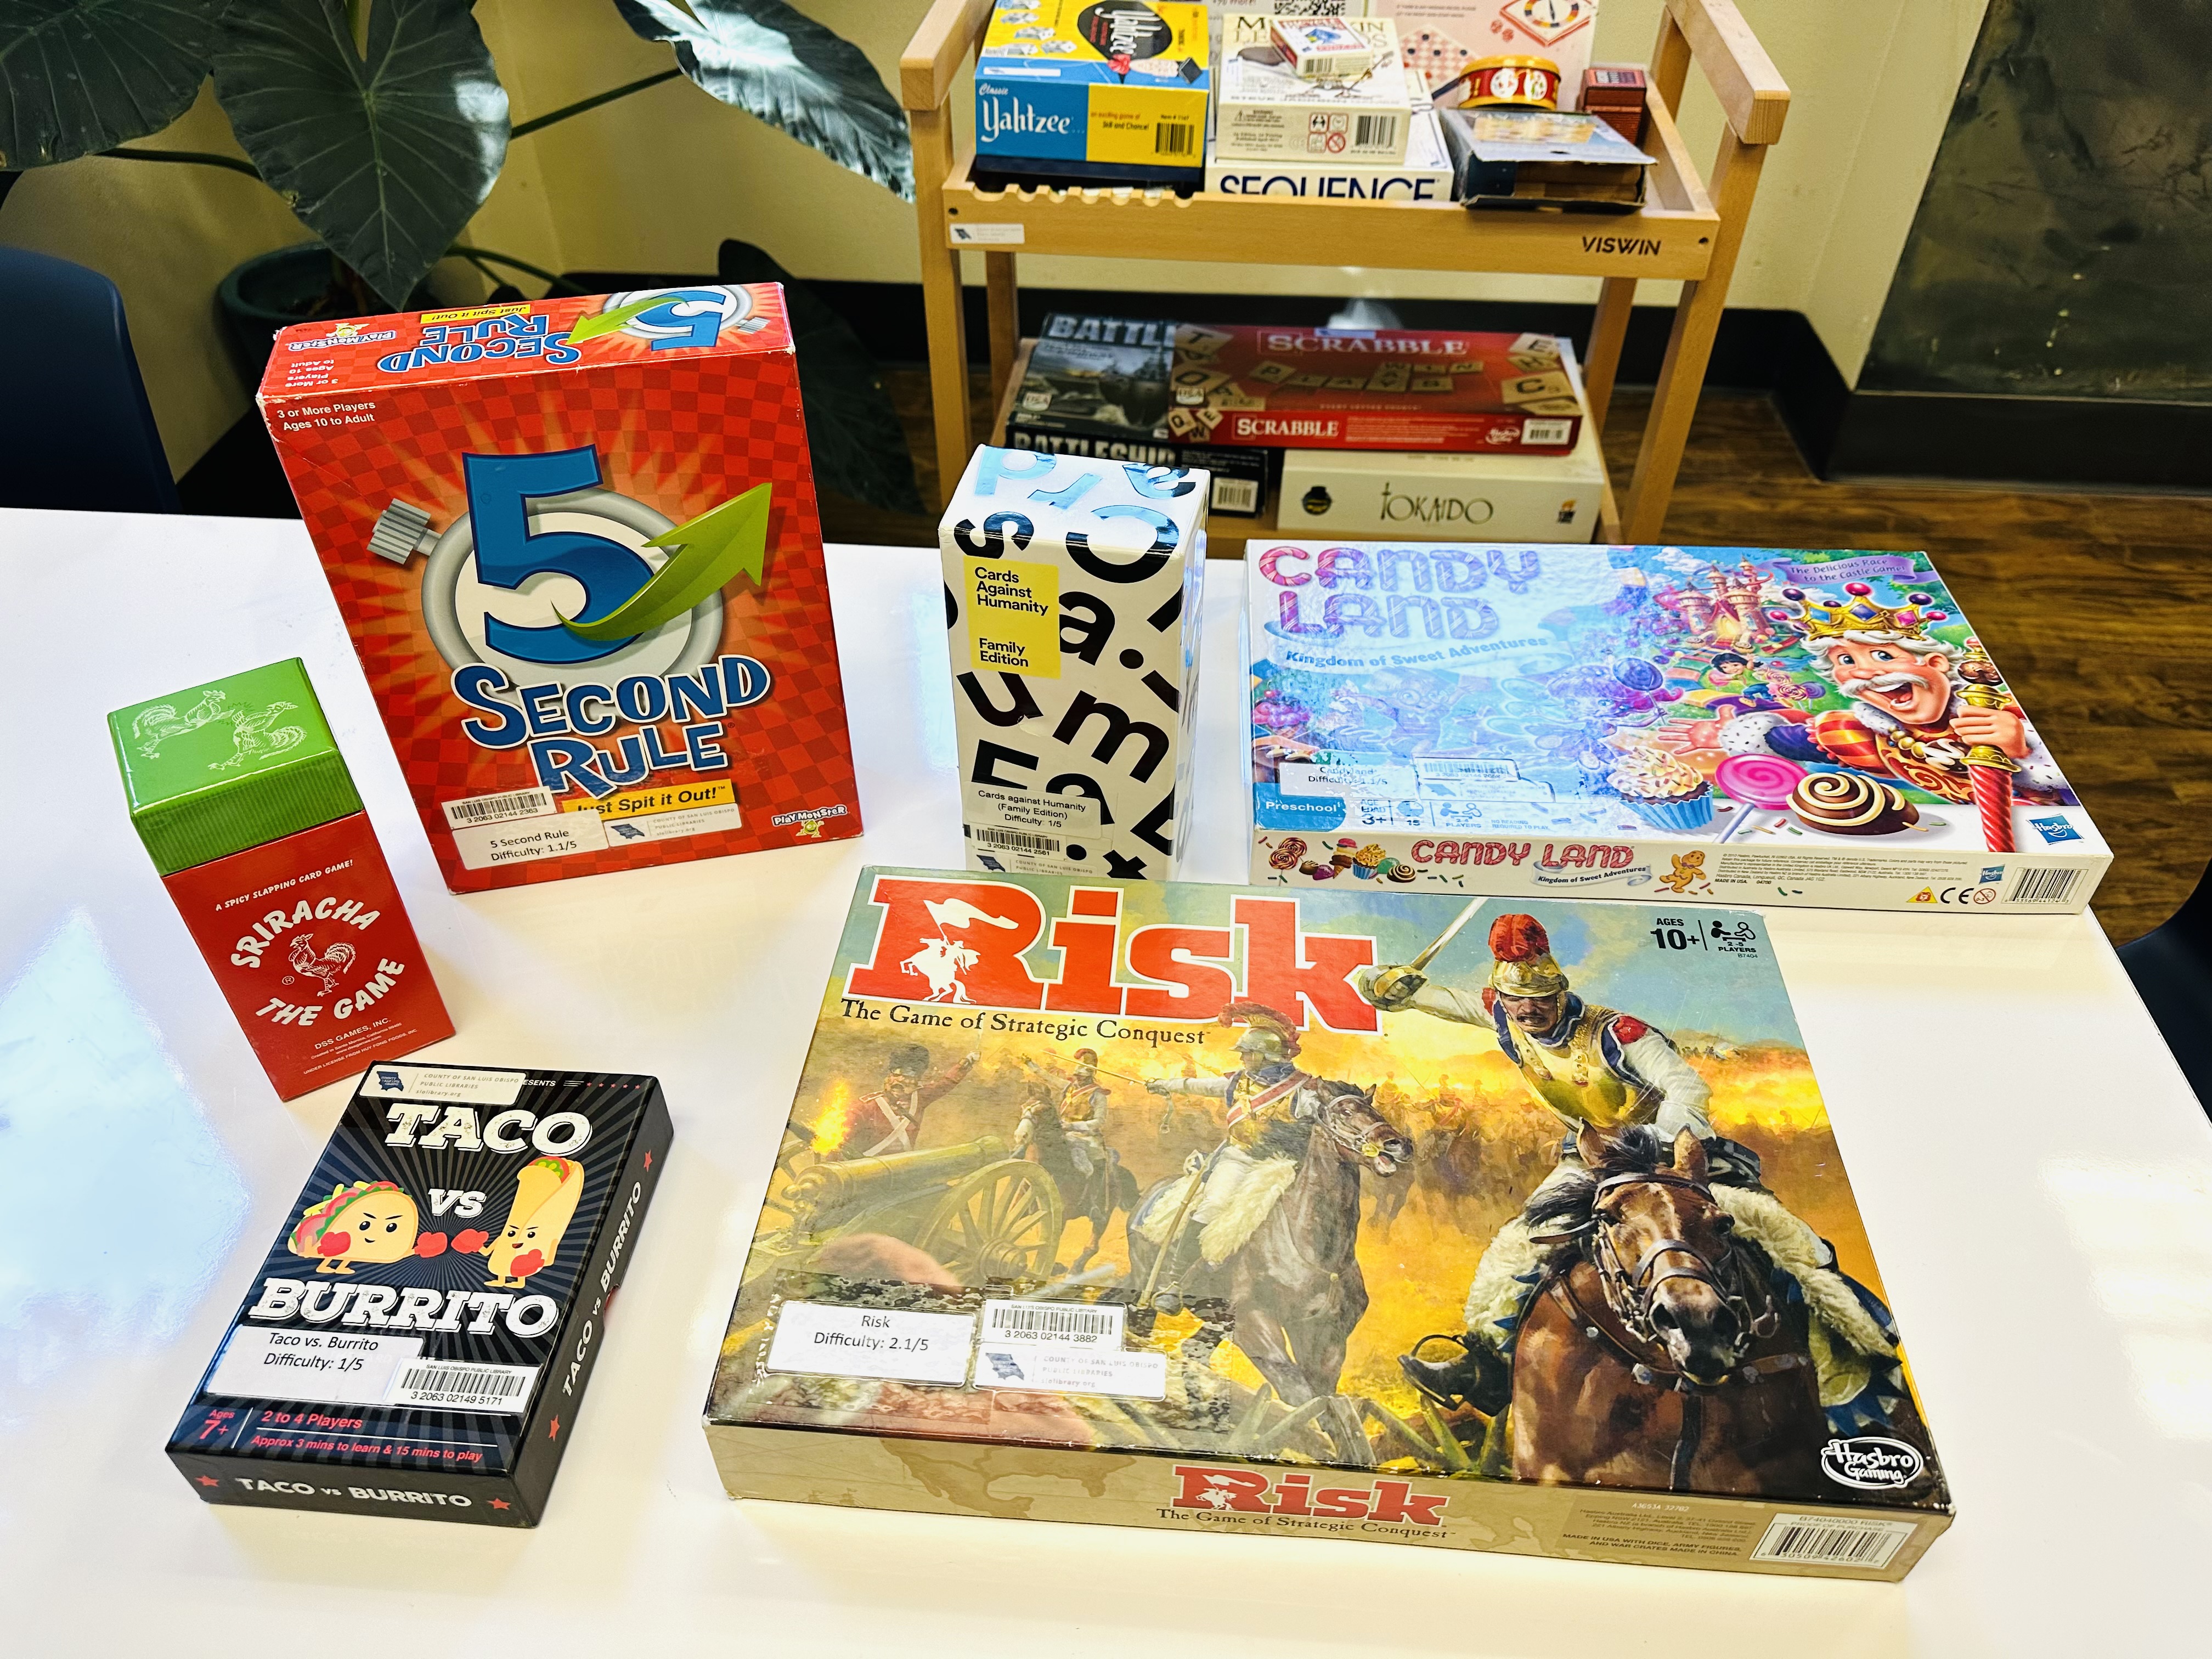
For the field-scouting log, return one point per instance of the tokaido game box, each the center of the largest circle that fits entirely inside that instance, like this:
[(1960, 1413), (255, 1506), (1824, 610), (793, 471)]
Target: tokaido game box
[(1202, 1208), (1696, 726), (575, 542)]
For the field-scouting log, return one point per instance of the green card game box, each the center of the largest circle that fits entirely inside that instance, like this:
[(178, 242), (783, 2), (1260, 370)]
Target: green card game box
[(418, 1339), (1348, 1212), (575, 543)]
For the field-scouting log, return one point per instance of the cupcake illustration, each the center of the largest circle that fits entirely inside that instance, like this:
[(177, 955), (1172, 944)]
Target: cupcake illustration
[(1667, 792)]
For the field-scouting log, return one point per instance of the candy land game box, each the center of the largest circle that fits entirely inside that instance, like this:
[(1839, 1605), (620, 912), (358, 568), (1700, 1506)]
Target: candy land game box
[(1345, 1212), (574, 541), (1694, 726)]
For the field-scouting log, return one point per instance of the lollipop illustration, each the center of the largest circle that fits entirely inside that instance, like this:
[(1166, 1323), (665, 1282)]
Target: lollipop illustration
[(1763, 782)]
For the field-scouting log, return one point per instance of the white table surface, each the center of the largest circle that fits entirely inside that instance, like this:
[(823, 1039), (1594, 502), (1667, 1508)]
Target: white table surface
[(2036, 1178)]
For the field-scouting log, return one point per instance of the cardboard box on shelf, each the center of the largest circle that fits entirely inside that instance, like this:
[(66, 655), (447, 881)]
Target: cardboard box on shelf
[(1266, 111)]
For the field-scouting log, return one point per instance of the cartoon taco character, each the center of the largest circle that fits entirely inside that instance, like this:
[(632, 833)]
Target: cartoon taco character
[(545, 1196), (370, 1221)]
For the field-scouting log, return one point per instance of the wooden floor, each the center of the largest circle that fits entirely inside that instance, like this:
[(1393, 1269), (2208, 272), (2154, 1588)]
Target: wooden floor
[(2099, 608)]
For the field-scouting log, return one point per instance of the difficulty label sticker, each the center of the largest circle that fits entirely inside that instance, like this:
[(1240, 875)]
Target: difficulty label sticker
[(1013, 617), (555, 834), (360, 1368), (892, 1344), (1018, 809)]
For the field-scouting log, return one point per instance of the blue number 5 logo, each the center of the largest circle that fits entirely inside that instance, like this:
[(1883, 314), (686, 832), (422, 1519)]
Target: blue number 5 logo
[(500, 489)]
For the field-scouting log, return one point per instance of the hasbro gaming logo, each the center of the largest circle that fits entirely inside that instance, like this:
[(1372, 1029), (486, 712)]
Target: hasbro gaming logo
[(2054, 828), (1871, 1462), (1991, 873)]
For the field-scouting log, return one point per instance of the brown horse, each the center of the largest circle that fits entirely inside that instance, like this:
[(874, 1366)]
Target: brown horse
[(1655, 1354)]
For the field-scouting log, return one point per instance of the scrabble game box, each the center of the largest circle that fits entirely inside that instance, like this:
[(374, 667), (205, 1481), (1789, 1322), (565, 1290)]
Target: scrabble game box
[(1287, 387), (1697, 726), (575, 542), (419, 1337), (1302, 1214)]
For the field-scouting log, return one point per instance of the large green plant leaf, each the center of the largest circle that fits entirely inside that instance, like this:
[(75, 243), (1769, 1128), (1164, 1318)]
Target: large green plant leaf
[(82, 75), (386, 158), (860, 449), (792, 73)]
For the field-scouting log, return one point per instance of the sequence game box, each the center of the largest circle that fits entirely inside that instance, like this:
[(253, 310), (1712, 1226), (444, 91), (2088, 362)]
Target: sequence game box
[(1363, 388), (1693, 724), (419, 1337), (575, 543), (1348, 1212)]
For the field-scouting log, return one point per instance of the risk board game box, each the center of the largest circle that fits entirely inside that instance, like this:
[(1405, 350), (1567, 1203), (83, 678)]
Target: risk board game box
[(1072, 618), (1346, 1213), (1694, 724), (575, 542), (1096, 387), (1068, 91), (1288, 387), (419, 1337)]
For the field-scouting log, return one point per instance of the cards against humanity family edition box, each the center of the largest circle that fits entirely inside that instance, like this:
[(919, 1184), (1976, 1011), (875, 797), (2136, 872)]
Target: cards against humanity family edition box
[(1071, 616), (1696, 726), (574, 541), (240, 794), (1093, 1206), (419, 1337)]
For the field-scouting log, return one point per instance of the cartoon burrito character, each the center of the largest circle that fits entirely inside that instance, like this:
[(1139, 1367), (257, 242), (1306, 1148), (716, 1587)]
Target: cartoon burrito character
[(370, 1221), (545, 1196)]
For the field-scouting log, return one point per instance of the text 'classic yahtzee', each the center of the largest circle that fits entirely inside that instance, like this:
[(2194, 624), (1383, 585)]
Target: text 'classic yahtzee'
[(575, 543)]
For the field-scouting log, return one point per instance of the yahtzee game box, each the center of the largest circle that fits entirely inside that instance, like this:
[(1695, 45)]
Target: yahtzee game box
[(1688, 724), (1347, 1213), (575, 543)]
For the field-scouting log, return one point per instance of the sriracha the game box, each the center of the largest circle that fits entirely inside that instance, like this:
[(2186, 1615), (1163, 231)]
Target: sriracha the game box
[(574, 541)]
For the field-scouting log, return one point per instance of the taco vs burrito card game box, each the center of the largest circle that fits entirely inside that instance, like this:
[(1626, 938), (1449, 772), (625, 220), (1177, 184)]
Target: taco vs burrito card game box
[(418, 1339)]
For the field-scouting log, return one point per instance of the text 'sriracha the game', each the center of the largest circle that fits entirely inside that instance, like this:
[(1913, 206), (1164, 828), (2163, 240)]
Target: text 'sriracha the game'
[(249, 814), (1699, 726), (418, 1339), (1343, 1213), (1072, 618), (574, 541)]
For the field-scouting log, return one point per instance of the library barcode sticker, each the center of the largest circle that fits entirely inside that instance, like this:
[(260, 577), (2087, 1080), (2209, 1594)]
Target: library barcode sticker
[(454, 1386), (1053, 1368), (497, 809), (1544, 432), (1832, 1540), (1069, 1324)]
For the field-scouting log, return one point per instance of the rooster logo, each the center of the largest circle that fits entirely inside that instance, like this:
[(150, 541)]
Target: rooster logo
[(326, 969)]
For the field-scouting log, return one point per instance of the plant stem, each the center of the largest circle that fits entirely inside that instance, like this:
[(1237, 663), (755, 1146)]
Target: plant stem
[(196, 157), (480, 257), (538, 123)]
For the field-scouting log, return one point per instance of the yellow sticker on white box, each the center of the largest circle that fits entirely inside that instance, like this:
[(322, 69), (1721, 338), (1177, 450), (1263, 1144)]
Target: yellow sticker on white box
[(1013, 617)]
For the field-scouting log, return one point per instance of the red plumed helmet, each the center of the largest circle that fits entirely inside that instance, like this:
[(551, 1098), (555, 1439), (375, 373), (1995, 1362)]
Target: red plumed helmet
[(1518, 939)]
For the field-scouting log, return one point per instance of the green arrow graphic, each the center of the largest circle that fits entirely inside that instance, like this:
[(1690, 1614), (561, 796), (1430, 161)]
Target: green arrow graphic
[(721, 543), (608, 322)]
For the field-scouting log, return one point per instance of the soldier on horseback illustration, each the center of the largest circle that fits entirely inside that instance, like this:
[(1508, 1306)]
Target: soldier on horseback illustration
[(1064, 1129), (1591, 1065)]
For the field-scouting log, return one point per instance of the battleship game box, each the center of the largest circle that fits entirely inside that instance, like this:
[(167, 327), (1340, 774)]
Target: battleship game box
[(1696, 726), (1096, 387), (1360, 388), (575, 542), (1346, 1213), (418, 1339), (1072, 620)]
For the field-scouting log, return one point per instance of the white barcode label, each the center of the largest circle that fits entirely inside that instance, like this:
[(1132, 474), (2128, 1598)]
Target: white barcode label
[(1074, 1324), (1372, 132), (1236, 494), (451, 1386), (498, 809), (1545, 432), (2043, 884), (1174, 138), (1830, 1540), (1016, 840), (1051, 1368)]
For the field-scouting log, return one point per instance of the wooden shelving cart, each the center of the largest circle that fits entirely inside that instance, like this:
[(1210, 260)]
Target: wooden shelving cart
[(1691, 227)]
